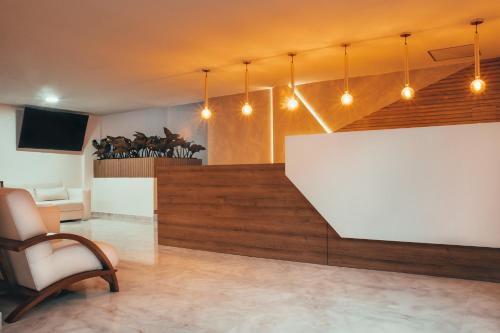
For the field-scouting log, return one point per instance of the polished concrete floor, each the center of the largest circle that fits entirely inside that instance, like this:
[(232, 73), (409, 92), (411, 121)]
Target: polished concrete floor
[(167, 289)]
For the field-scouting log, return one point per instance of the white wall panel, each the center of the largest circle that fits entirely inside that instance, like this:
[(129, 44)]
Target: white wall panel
[(128, 196), (430, 185)]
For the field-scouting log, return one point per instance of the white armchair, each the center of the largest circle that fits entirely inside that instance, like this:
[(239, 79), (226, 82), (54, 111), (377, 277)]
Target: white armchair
[(36, 265)]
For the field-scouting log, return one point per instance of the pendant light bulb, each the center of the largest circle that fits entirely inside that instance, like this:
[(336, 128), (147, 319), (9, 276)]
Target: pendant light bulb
[(292, 102), (247, 108), (346, 98), (477, 86), (408, 92), (206, 113)]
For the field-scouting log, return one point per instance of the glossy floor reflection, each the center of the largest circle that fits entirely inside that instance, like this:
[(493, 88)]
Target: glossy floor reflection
[(167, 289)]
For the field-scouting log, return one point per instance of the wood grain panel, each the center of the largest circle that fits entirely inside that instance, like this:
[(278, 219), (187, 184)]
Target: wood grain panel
[(446, 102), (161, 162), (466, 262), (251, 210), (254, 210), (137, 167), (130, 167)]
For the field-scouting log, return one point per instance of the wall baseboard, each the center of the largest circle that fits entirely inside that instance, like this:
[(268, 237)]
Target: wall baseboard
[(464, 262), (123, 217)]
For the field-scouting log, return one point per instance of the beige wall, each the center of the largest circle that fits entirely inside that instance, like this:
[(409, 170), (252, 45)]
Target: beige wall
[(260, 138), (371, 93), (237, 139)]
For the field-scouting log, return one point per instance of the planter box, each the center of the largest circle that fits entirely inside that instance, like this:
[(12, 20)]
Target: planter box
[(141, 167)]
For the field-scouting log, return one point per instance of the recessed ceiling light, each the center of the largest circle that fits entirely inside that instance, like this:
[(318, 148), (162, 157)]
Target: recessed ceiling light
[(52, 99)]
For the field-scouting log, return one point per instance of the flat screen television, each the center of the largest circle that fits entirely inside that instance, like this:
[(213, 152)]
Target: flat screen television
[(52, 129)]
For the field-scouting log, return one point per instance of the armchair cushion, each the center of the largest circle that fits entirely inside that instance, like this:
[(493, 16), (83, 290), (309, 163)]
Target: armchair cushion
[(69, 258)]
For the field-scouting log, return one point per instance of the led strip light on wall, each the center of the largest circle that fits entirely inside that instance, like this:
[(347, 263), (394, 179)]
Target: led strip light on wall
[(313, 112)]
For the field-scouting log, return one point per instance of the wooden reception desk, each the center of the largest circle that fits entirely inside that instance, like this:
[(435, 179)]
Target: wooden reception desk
[(251, 210), (255, 210)]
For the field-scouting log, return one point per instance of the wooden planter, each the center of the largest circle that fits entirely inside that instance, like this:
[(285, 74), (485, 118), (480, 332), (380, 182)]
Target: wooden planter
[(141, 167)]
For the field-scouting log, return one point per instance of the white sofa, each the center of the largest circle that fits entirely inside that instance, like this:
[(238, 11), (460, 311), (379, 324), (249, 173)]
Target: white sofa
[(75, 205)]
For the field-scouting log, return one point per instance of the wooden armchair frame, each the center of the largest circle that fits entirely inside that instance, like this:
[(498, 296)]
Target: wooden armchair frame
[(108, 273)]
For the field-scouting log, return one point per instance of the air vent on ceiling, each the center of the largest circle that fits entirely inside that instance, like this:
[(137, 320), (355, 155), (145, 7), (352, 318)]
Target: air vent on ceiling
[(450, 53)]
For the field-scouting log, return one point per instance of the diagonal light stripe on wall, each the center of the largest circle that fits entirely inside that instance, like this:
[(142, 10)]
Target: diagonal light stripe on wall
[(313, 112)]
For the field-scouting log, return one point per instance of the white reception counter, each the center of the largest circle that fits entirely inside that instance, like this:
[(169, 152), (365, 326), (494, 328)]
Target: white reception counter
[(430, 185)]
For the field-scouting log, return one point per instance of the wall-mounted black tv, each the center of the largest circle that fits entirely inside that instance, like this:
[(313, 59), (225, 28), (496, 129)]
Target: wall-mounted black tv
[(52, 129)]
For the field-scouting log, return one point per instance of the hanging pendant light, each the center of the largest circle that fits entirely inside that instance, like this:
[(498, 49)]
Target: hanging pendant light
[(407, 92), (206, 113), (346, 98), (247, 108), (292, 102), (477, 86)]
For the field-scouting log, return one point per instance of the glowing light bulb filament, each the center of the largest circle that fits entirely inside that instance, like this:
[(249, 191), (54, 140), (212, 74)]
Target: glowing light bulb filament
[(292, 103), (206, 113), (247, 108), (407, 92), (477, 85), (346, 98)]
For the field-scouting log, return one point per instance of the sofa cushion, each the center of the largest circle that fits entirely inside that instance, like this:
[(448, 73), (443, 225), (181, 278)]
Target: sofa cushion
[(64, 205), (50, 194)]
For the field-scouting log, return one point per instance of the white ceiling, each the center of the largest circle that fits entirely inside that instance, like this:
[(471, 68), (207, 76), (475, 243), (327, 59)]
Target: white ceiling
[(116, 55)]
